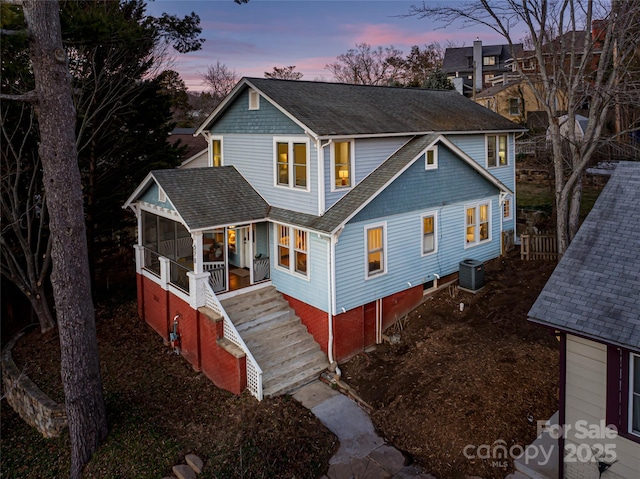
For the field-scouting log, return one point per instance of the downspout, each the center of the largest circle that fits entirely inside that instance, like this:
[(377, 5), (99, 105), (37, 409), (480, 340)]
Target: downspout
[(330, 293)]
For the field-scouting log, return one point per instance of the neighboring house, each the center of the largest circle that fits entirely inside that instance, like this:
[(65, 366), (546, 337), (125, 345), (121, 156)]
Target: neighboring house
[(342, 203), (196, 154), (592, 300), (477, 67)]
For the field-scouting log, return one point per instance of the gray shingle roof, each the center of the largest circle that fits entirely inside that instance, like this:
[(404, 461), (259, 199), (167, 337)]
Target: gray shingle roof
[(595, 289), (342, 109), (206, 197), (457, 59)]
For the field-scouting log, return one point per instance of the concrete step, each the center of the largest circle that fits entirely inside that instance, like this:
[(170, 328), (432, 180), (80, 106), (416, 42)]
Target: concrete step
[(247, 300), (285, 363), (265, 352), (250, 315), (276, 332), (262, 321), (286, 384)]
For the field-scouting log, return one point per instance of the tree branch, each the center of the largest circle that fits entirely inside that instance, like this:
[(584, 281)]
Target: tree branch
[(29, 97)]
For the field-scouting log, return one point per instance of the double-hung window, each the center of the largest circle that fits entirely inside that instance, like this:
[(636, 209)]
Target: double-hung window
[(375, 241), (292, 163), (216, 152), (497, 150), (477, 223), (342, 163), (506, 208), (428, 233), (293, 249), (514, 106)]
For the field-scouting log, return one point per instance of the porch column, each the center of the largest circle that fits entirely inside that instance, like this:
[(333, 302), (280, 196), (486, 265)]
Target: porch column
[(198, 289), (165, 272), (198, 255), (139, 252)]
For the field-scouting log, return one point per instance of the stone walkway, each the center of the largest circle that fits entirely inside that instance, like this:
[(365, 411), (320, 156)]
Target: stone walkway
[(363, 453)]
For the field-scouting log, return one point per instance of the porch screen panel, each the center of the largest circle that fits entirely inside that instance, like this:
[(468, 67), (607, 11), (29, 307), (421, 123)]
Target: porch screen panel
[(283, 163), (283, 246), (167, 238), (300, 164), (150, 231), (375, 250), (301, 249)]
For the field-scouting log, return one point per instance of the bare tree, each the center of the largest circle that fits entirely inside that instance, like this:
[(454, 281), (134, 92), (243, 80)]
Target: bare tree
[(25, 239), (364, 65), (220, 79), (284, 73), (80, 366), (581, 51)]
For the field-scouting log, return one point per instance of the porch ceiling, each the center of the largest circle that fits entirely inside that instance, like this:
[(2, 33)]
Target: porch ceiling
[(209, 197)]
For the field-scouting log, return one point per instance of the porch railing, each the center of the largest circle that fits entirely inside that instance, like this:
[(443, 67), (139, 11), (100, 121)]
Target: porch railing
[(178, 276), (218, 278), (254, 372), (152, 261), (261, 269)]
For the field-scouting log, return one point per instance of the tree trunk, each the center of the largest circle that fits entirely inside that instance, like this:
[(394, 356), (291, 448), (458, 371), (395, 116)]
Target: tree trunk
[(80, 365), (41, 308)]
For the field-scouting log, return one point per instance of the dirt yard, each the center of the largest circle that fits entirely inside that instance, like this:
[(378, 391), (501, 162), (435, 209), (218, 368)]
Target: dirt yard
[(464, 378)]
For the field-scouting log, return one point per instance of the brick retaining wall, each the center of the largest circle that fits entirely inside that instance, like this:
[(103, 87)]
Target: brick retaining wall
[(33, 406)]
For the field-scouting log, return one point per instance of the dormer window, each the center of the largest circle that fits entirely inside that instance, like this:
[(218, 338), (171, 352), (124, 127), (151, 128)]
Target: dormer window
[(254, 100), (489, 61), (342, 164)]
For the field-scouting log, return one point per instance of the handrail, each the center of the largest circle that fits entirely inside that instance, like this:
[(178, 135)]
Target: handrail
[(254, 372)]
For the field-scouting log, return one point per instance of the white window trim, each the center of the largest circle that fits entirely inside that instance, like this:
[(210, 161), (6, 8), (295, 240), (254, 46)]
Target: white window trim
[(508, 198), (435, 233), (332, 166), (630, 415), (210, 159), (435, 158), (162, 196), (291, 140), (477, 224), (384, 271), (292, 252), (254, 100), (497, 145)]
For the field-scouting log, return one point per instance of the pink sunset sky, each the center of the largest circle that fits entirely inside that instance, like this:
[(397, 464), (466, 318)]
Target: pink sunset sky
[(253, 38)]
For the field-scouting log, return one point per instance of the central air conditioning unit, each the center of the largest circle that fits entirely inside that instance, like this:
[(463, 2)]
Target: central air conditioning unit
[(471, 275)]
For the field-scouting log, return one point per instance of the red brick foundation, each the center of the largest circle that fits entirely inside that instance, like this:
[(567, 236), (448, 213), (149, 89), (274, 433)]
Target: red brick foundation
[(315, 320)]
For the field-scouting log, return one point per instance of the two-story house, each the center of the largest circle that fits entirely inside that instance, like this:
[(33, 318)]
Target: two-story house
[(327, 212)]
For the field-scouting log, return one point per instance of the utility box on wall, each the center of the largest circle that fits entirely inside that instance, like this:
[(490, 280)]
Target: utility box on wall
[(471, 275)]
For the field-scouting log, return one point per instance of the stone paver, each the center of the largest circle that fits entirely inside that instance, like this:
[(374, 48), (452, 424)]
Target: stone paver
[(182, 471), (362, 453), (194, 462)]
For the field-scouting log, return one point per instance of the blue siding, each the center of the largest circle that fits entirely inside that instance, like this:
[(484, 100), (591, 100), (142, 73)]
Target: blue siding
[(405, 263), (475, 147), (268, 119), (452, 182), (369, 153), (151, 196), (314, 290), (253, 157)]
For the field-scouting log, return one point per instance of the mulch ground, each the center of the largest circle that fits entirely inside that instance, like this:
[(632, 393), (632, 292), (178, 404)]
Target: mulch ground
[(456, 378), (159, 409)]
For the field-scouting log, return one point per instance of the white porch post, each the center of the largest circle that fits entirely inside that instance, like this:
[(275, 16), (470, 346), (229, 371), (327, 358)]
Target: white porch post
[(165, 272), (197, 289), (198, 255), (139, 252)]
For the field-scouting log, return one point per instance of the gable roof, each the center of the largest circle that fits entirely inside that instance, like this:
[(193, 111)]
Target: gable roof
[(208, 197), (194, 144), (356, 199), (337, 109), (595, 289)]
